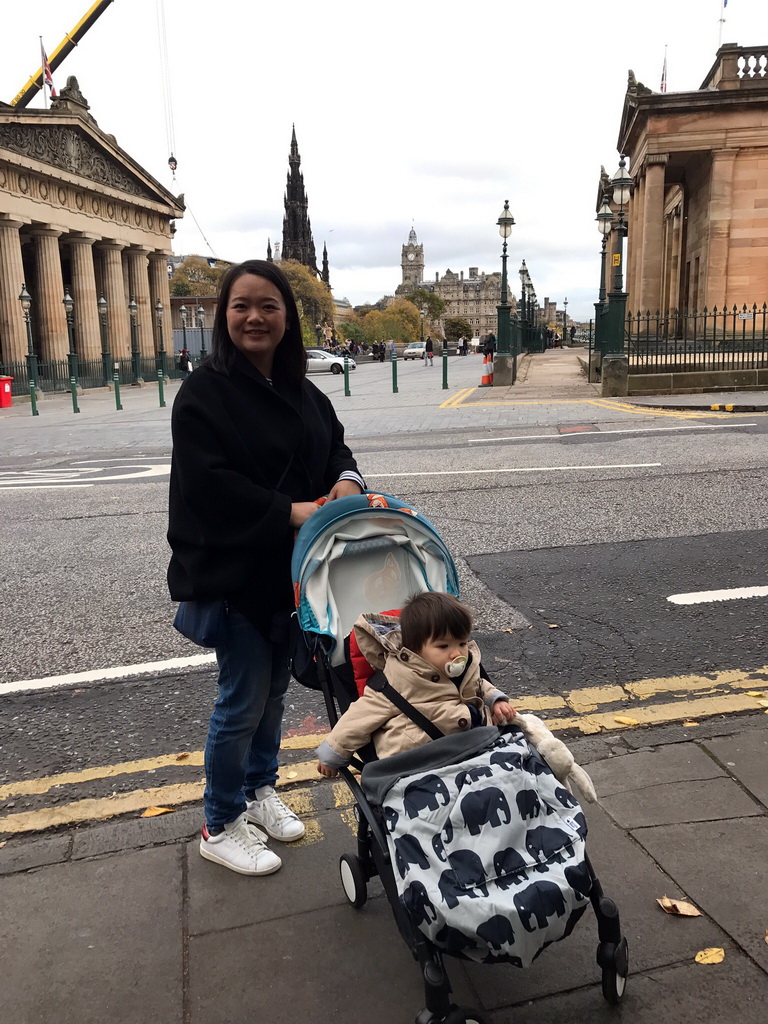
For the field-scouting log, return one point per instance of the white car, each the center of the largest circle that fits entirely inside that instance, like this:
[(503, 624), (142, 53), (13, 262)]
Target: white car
[(323, 362), (414, 351)]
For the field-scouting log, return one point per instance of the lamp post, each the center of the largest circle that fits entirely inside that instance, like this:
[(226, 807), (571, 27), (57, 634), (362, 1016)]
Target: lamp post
[(523, 308), (565, 319), (621, 184), (69, 305), (26, 304), (161, 356), (422, 314), (604, 224), (133, 312), (201, 325), (184, 313), (505, 361), (106, 357)]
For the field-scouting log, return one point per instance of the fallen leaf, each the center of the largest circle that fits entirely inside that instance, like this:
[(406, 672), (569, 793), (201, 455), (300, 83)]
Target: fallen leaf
[(766, 930), (689, 725), (182, 757), (152, 812), (755, 693), (509, 630), (762, 702), (5, 841), (626, 720), (680, 908), (711, 955), (292, 775), (553, 625)]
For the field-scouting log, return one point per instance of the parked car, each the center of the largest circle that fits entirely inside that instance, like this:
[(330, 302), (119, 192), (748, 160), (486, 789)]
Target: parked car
[(414, 351), (323, 362)]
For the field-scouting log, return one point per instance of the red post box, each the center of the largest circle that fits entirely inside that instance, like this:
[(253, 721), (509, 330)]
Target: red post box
[(6, 399)]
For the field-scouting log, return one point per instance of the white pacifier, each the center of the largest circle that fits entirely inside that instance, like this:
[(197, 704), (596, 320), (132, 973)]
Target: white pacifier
[(456, 667)]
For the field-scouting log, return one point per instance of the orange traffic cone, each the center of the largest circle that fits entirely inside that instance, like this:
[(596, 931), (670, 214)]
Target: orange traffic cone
[(487, 380)]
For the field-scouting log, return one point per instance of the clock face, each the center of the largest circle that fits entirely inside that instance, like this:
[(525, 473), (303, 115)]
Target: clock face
[(411, 257)]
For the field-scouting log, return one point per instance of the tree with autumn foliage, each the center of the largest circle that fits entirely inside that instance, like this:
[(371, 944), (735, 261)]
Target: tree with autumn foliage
[(400, 321), (197, 276), (313, 297), (457, 327)]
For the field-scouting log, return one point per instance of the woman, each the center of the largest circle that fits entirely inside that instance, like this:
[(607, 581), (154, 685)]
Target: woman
[(254, 444)]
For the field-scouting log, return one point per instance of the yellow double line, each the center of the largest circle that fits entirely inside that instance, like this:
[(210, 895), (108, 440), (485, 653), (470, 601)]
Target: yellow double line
[(589, 710)]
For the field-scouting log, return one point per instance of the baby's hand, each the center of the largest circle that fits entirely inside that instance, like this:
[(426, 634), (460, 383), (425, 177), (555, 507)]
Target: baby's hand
[(503, 712), (327, 771)]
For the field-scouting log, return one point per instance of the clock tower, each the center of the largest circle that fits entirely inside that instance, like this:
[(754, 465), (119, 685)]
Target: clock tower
[(412, 262)]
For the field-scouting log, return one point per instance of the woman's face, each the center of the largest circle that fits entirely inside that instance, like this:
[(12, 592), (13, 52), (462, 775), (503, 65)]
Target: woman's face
[(256, 319)]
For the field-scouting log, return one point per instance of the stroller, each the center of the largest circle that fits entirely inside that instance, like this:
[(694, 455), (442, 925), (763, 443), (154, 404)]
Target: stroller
[(368, 554)]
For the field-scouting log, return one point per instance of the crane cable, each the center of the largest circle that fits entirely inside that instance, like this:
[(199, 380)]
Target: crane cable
[(170, 134)]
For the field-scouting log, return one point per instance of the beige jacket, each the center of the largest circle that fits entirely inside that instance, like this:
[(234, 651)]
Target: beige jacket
[(433, 693)]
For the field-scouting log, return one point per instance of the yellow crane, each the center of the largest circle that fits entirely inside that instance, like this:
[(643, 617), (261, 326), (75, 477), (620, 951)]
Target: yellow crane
[(65, 47)]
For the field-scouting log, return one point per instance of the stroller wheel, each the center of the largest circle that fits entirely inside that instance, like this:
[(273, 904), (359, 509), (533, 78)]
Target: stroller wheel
[(353, 879), (461, 1015), (615, 974)]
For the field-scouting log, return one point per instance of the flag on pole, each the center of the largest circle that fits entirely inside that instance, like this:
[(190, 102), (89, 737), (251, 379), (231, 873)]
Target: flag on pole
[(47, 76)]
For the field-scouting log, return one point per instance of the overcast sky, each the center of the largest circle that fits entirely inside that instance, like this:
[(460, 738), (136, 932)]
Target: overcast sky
[(423, 112)]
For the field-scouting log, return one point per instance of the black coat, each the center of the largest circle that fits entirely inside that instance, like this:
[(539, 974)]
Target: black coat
[(243, 451)]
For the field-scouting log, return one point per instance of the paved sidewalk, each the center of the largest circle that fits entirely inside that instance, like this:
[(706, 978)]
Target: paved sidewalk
[(126, 923), (715, 401)]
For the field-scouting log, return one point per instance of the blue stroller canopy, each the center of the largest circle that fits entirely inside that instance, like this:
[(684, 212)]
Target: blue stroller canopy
[(366, 553)]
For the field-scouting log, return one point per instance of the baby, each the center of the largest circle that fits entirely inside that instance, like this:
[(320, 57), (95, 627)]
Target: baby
[(430, 661)]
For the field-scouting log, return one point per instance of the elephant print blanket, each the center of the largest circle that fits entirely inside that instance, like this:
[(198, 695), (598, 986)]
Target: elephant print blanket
[(489, 854)]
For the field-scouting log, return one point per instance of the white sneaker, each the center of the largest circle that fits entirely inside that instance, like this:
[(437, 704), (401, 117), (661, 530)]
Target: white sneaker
[(240, 847), (277, 820)]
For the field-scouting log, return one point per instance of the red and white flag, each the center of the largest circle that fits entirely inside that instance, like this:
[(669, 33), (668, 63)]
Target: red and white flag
[(47, 76)]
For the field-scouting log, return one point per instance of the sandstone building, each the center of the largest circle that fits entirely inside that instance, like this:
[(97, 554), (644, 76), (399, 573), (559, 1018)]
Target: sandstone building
[(698, 217), (77, 212)]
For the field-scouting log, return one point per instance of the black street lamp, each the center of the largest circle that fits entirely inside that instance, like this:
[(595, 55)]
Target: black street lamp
[(565, 318), (604, 224), (26, 304), (505, 363), (523, 271), (422, 314), (133, 312), (184, 313), (162, 364), (201, 325), (106, 357), (621, 184), (69, 306)]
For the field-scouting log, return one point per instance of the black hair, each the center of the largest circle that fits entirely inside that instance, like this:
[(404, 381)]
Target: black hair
[(427, 616), (290, 360)]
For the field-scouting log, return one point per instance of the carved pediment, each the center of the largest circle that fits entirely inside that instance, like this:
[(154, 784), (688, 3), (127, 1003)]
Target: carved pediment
[(68, 149)]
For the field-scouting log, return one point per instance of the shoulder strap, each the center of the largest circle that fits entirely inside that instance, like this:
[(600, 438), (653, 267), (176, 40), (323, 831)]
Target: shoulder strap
[(378, 681)]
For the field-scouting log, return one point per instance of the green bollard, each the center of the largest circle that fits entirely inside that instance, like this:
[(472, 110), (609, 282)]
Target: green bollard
[(347, 392), (73, 389), (116, 382), (160, 389), (445, 367), (394, 376)]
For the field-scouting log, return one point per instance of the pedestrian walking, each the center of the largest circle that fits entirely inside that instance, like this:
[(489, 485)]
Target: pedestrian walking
[(185, 363), (429, 352), (254, 445)]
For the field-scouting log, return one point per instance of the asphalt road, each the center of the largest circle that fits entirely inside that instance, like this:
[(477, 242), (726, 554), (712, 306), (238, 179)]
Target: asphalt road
[(588, 531)]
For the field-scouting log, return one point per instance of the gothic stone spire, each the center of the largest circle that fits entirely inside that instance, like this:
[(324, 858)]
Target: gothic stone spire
[(297, 230), (324, 276)]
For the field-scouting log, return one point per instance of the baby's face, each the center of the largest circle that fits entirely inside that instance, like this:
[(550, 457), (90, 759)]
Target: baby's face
[(441, 650)]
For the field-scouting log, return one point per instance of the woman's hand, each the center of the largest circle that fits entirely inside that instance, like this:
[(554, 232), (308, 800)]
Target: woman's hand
[(301, 511), (344, 489)]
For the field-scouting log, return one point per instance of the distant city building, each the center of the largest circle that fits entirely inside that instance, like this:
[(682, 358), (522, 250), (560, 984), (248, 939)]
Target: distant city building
[(474, 297), (298, 243)]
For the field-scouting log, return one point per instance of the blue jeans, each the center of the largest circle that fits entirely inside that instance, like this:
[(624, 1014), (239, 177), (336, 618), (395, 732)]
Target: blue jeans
[(244, 732)]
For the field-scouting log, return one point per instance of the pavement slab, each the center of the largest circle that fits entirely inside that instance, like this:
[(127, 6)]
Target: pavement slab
[(675, 802), (94, 941), (35, 854), (686, 993), (746, 758), (721, 865), (639, 770)]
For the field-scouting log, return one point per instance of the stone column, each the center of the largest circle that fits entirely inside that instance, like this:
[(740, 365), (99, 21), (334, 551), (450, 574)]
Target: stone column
[(715, 287), (159, 287), (138, 272), (635, 247), (48, 307), (653, 228), (674, 288), (86, 312), (118, 331), (13, 331)]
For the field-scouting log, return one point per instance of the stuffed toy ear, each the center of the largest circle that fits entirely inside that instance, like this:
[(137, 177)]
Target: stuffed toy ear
[(556, 754), (578, 777)]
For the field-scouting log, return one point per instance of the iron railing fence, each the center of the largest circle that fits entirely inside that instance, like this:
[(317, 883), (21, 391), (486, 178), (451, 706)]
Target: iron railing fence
[(698, 340), (54, 376)]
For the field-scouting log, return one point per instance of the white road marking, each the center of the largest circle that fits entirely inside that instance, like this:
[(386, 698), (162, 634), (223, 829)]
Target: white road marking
[(42, 487), (52, 478), (516, 469), (102, 674), (706, 596), (598, 433)]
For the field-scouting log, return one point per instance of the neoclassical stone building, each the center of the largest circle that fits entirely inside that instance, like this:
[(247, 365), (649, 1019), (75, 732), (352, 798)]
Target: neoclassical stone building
[(77, 212), (474, 297), (698, 217)]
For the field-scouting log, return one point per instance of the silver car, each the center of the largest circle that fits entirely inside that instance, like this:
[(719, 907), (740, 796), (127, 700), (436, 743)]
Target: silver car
[(319, 361)]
